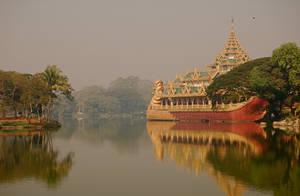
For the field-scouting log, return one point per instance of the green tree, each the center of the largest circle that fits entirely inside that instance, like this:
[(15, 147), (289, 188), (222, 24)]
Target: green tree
[(126, 91), (234, 86), (287, 58), (13, 84), (278, 81), (32, 94), (124, 97), (56, 84)]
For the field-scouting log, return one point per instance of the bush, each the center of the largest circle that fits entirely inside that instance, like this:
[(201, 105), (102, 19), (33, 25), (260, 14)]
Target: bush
[(52, 125)]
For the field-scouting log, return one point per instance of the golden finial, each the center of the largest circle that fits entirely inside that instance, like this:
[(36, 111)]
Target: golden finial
[(232, 25)]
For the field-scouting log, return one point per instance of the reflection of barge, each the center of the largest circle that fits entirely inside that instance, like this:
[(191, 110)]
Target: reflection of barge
[(248, 135), (185, 98), (190, 144)]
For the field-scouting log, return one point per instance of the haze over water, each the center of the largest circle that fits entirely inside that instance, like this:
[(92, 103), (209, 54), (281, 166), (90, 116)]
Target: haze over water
[(96, 41)]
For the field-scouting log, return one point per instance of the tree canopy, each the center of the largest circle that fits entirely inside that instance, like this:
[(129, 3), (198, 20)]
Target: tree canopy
[(32, 94), (278, 81), (123, 97), (235, 84)]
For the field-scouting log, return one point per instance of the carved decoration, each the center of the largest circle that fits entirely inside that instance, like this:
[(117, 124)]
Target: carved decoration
[(157, 95)]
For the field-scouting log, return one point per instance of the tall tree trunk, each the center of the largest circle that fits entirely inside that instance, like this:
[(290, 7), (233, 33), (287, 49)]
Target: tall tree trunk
[(3, 113), (43, 111), (30, 113), (38, 114), (24, 111), (50, 111), (15, 111), (293, 111)]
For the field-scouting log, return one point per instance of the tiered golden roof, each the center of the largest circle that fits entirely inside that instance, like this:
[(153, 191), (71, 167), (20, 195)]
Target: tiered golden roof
[(231, 56), (193, 83)]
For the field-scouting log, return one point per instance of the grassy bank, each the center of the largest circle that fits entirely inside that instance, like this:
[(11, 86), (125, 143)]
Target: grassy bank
[(14, 124)]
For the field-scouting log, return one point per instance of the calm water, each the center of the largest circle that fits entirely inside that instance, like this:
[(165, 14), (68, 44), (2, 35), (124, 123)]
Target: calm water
[(133, 157)]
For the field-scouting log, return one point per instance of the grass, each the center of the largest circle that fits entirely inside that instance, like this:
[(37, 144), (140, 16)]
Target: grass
[(24, 130), (15, 124), (16, 130), (18, 126)]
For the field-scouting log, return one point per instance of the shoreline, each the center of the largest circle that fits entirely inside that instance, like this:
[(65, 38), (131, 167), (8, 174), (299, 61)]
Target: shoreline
[(13, 124)]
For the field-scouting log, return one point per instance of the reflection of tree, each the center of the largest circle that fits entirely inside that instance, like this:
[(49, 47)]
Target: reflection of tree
[(277, 169), (235, 155), (31, 155)]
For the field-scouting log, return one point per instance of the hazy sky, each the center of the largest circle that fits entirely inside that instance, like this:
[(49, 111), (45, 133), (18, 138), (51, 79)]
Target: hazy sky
[(96, 41)]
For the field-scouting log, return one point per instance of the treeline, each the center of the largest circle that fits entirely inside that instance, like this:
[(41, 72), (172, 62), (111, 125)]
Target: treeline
[(124, 97), (32, 95), (276, 79)]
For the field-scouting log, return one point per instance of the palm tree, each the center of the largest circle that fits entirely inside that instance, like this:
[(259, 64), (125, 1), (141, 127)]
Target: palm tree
[(56, 84)]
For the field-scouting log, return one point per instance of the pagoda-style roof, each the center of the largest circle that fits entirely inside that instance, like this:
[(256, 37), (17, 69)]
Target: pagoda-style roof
[(193, 83), (231, 56), (196, 75)]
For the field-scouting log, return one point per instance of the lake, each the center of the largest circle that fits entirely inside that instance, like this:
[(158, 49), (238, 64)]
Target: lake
[(135, 157)]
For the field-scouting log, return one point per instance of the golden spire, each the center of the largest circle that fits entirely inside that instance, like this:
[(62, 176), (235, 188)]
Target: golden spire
[(232, 33), (232, 55)]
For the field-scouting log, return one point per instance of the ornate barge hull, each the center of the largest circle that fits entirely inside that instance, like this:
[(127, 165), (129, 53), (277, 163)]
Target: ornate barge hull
[(252, 110)]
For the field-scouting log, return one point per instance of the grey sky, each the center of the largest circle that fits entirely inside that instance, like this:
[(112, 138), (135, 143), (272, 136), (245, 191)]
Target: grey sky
[(96, 41)]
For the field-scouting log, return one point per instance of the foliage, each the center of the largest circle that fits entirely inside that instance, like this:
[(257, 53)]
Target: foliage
[(235, 84), (123, 97), (56, 82), (278, 81), (15, 124), (28, 94), (127, 93)]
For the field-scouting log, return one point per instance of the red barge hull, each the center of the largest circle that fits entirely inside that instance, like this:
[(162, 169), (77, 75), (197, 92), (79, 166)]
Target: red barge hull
[(252, 111)]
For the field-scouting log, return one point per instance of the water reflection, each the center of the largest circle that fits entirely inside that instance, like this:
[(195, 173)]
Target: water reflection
[(123, 134), (238, 156), (116, 157), (26, 155)]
